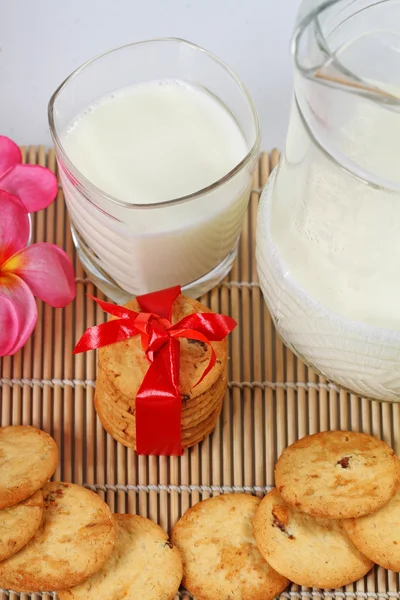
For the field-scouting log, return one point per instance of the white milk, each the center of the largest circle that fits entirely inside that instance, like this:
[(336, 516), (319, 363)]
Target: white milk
[(328, 252), (151, 143)]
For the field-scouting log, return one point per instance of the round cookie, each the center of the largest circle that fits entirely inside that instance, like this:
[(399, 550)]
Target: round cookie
[(125, 363), (378, 535), (18, 523), (143, 565), (219, 553), (309, 551), (337, 474), (28, 458), (75, 539)]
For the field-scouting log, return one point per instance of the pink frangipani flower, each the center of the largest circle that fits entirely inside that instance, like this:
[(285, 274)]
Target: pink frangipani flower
[(42, 269), (34, 185)]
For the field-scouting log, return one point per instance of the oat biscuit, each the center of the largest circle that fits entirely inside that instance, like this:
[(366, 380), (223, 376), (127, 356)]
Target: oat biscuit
[(18, 524), (28, 458), (309, 551), (337, 474), (75, 539), (143, 565), (219, 553), (378, 535)]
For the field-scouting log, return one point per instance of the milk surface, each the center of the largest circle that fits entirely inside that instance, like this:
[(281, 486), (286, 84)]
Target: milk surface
[(155, 142)]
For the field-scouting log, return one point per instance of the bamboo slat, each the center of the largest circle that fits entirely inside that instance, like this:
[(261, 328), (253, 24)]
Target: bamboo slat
[(273, 399)]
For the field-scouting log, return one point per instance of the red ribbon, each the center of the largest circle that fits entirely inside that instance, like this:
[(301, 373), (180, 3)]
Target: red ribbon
[(158, 401)]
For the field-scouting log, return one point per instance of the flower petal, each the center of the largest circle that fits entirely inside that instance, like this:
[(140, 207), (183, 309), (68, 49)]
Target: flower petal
[(8, 326), (10, 154), (14, 226), (36, 186), (47, 270), (21, 297)]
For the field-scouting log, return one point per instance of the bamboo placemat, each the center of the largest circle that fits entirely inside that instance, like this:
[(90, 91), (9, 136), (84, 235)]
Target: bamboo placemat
[(273, 399)]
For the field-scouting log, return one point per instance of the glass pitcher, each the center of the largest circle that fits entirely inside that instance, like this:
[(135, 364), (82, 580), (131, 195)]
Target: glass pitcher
[(328, 238)]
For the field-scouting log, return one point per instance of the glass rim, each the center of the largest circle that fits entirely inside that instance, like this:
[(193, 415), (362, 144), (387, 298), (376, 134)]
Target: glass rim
[(129, 205)]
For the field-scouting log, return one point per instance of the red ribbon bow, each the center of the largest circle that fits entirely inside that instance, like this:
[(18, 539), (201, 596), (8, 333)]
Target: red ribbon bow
[(158, 401)]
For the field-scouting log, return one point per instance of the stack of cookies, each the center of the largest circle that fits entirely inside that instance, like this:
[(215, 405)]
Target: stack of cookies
[(123, 365), (60, 536)]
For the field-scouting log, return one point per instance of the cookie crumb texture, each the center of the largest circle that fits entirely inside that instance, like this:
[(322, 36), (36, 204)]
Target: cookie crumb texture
[(220, 557), (74, 540), (338, 474), (310, 551), (143, 565), (378, 535)]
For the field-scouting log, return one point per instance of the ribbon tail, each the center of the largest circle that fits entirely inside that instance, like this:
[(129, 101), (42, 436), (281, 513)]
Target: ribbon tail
[(105, 334), (159, 405), (214, 326), (114, 309)]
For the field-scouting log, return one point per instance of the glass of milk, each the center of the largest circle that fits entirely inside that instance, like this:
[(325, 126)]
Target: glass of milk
[(156, 144), (328, 239)]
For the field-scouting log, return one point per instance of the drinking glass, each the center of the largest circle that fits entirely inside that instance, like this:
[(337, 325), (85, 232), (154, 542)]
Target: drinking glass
[(134, 248)]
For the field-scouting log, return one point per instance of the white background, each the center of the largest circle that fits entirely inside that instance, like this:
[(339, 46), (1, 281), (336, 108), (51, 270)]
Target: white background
[(42, 41)]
